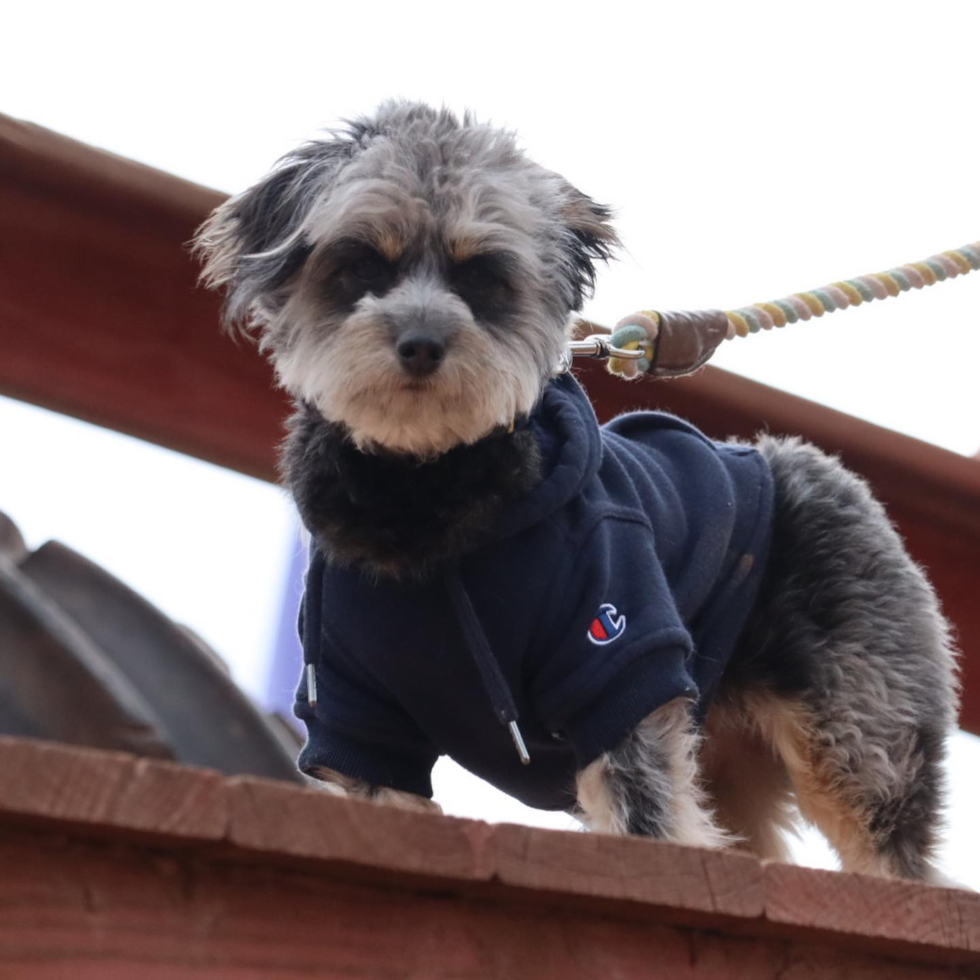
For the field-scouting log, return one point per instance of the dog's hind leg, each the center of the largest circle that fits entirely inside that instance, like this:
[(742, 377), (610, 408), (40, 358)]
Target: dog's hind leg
[(649, 784), (847, 668), (874, 790), (747, 782)]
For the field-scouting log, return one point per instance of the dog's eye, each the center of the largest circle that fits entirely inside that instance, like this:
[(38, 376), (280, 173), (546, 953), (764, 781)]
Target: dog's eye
[(476, 275), (370, 268)]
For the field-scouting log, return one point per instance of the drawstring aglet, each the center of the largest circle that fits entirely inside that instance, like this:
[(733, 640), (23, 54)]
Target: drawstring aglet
[(311, 685), (515, 734)]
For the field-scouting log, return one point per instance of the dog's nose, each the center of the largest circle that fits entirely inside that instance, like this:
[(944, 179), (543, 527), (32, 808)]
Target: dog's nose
[(420, 355)]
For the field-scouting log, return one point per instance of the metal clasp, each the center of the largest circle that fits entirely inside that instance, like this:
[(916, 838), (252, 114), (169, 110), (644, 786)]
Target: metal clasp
[(515, 734), (596, 345), (311, 685)]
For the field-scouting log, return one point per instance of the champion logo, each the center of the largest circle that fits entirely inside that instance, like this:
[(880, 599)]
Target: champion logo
[(607, 626)]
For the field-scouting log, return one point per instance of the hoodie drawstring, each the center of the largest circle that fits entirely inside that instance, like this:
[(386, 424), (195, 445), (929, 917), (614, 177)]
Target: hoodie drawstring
[(494, 682)]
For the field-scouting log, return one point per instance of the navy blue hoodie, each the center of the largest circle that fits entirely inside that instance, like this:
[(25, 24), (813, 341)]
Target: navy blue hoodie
[(618, 584)]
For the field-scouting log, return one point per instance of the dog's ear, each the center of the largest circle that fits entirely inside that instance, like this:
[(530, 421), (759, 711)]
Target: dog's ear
[(589, 238), (254, 243)]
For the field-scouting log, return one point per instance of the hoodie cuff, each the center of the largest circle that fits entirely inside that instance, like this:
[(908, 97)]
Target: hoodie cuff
[(639, 689), (377, 765)]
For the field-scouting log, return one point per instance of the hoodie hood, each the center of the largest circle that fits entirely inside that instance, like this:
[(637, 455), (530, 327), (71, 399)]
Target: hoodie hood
[(567, 432)]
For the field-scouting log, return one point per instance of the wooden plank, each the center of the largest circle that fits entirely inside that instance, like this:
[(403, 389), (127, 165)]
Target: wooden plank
[(272, 819), (288, 854), (665, 876), (858, 905), (101, 911), (313, 827), (82, 789)]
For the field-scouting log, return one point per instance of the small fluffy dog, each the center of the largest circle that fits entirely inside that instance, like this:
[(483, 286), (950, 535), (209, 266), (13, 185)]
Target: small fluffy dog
[(683, 639)]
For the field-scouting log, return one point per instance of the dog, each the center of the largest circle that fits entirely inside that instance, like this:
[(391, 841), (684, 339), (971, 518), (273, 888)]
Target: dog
[(669, 637)]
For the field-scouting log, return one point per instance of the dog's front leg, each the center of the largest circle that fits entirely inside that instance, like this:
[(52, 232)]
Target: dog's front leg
[(340, 785), (649, 784)]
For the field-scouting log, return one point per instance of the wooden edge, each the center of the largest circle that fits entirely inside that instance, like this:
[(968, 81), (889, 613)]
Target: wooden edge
[(272, 819), (40, 157), (97, 794), (860, 907), (90, 789)]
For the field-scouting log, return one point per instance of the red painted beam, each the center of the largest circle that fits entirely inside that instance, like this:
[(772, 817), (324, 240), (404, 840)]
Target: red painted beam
[(100, 315)]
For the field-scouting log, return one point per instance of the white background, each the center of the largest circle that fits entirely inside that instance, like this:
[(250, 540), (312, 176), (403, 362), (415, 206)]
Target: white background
[(751, 150)]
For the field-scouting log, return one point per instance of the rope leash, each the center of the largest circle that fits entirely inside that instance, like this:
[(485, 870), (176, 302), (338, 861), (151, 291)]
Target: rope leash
[(854, 292), (675, 344)]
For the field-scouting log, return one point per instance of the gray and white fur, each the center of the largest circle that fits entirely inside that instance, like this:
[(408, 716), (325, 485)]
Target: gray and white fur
[(409, 226), (412, 280)]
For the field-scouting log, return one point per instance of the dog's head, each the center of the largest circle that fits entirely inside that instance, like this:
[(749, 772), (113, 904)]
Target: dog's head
[(412, 277)]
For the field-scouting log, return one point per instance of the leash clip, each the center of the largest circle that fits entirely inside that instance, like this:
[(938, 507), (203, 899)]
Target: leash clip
[(596, 346)]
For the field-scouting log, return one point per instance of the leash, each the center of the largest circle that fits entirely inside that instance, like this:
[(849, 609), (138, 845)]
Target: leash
[(673, 344)]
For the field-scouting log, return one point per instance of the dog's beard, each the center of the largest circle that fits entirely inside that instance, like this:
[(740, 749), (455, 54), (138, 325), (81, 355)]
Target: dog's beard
[(352, 375)]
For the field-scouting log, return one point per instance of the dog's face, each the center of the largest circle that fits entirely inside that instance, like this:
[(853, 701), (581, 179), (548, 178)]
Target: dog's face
[(413, 277)]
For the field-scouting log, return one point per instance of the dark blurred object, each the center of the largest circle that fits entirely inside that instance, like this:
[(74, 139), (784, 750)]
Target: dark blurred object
[(11, 540), (84, 659)]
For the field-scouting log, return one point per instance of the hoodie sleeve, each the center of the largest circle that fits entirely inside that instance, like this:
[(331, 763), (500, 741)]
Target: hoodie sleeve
[(357, 730), (622, 648)]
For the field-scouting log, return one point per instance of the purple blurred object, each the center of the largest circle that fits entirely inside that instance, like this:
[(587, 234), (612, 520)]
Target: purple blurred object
[(286, 661)]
